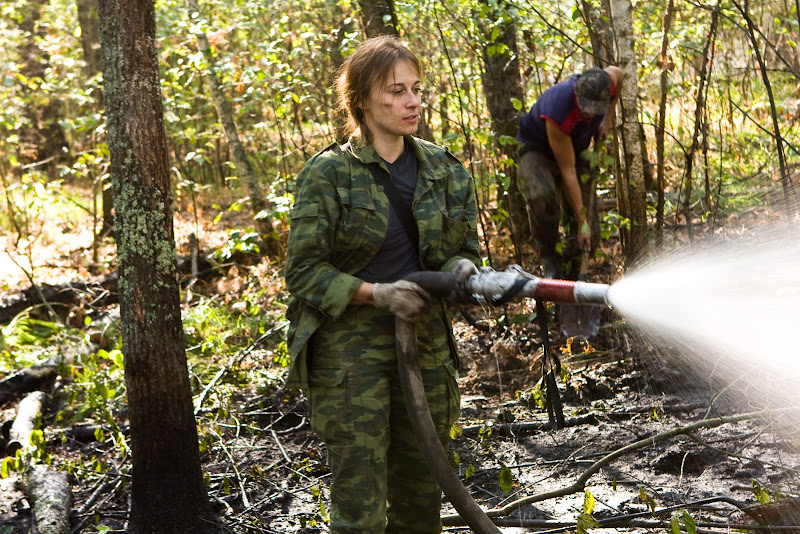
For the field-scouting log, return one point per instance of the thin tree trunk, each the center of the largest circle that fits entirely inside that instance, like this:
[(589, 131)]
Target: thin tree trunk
[(635, 209), (222, 105), (698, 122), (42, 139), (378, 18), (669, 13), (502, 85), (92, 55), (167, 490), (786, 182)]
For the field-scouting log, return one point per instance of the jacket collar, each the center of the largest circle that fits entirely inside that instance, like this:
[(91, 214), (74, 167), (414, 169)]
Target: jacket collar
[(366, 154)]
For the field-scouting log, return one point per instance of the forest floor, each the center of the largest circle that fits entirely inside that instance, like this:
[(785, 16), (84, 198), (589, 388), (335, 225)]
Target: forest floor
[(267, 471)]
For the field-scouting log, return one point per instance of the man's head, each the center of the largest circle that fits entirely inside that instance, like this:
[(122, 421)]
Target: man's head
[(594, 91)]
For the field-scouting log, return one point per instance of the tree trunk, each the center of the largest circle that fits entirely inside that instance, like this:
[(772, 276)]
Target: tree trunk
[(92, 55), (632, 179), (167, 490), (698, 122), (786, 182), (378, 18), (42, 139), (502, 85), (19, 435), (222, 105), (662, 117)]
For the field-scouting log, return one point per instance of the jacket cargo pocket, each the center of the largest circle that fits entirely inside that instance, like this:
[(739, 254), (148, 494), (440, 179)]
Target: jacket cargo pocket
[(329, 404)]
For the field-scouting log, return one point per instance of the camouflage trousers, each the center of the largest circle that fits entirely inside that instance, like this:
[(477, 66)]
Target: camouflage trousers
[(380, 481), (541, 185)]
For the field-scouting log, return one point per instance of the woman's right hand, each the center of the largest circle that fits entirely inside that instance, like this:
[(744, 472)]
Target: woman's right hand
[(403, 298)]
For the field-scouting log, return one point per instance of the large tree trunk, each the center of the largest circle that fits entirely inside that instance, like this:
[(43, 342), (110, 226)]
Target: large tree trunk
[(630, 186), (502, 85), (167, 489), (244, 168)]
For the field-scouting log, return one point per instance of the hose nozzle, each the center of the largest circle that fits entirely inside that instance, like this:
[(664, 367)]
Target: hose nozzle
[(553, 290)]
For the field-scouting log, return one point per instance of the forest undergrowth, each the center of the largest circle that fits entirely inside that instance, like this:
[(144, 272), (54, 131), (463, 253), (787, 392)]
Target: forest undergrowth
[(651, 443)]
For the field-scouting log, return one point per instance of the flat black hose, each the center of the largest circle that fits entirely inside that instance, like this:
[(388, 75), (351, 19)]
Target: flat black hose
[(420, 415)]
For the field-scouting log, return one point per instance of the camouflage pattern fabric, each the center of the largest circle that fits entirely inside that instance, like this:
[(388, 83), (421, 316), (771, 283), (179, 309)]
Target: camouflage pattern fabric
[(338, 223), (344, 356), (380, 482)]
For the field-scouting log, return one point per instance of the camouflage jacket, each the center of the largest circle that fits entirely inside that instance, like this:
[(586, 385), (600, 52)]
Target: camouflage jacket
[(338, 223)]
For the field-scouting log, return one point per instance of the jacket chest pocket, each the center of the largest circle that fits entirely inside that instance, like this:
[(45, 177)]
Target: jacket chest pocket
[(445, 234), (362, 226)]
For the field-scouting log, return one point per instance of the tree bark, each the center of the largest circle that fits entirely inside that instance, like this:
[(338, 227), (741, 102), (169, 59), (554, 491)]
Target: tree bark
[(51, 495), (698, 123), (244, 168), (662, 118), (167, 490), (92, 55), (502, 85), (42, 139), (378, 18), (633, 205), (19, 436)]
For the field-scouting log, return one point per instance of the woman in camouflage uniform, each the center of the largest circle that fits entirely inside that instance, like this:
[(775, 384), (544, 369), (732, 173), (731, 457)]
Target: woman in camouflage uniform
[(348, 251)]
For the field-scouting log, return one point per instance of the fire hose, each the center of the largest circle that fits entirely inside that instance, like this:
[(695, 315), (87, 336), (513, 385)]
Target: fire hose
[(488, 286)]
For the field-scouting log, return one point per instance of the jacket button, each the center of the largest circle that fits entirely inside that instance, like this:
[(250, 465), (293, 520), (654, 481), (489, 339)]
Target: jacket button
[(380, 188), (305, 332)]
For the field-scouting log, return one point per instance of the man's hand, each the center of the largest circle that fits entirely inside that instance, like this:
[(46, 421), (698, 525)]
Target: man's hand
[(403, 298), (584, 236)]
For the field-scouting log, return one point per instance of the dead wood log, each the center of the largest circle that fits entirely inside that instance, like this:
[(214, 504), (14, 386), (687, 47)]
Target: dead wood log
[(51, 497), (20, 433), (27, 380), (99, 292)]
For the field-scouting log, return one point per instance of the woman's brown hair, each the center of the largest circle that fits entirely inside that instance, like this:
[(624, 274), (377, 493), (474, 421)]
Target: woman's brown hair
[(369, 66)]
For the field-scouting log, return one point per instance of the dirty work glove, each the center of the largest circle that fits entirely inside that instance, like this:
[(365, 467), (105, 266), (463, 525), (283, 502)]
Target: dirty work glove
[(403, 298), (463, 269)]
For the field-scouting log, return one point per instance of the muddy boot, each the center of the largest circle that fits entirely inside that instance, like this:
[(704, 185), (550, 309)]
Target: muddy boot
[(551, 267)]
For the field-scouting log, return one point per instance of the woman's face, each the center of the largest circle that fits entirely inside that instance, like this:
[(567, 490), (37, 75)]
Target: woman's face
[(393, 108)]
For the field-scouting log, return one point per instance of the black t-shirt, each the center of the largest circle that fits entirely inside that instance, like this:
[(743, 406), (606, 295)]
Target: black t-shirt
[(398, 256)]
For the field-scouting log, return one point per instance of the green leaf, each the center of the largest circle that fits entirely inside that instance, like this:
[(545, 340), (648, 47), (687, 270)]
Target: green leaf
[(688, 521), (507, 140), (470, 472), (674, 524), (506, 480), (517, 103)]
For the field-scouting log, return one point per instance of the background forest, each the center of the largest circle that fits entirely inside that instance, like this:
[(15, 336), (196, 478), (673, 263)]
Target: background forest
[(708, 131)]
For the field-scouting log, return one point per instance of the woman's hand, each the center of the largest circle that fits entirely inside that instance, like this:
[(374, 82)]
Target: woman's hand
[(403, 298)]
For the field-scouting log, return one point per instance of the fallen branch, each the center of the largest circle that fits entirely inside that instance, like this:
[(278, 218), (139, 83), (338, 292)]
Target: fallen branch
[(580, 483), (27, 380), (51, 496), (19, 436), (234, 362)]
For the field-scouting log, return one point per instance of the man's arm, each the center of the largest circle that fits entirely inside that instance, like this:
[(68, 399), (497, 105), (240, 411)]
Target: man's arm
[(564, 152)]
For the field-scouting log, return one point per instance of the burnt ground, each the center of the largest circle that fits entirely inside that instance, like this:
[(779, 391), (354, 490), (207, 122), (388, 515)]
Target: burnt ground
[(267, 473), (618, 389)]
